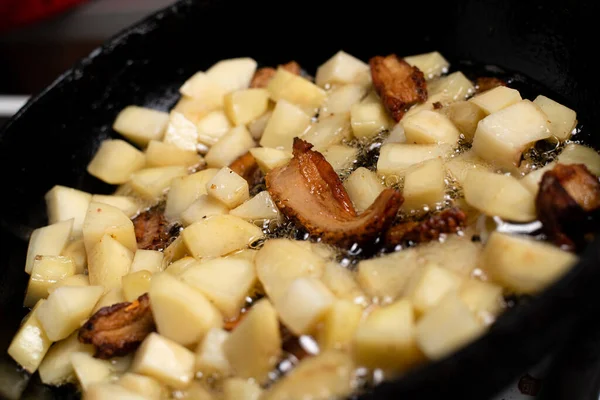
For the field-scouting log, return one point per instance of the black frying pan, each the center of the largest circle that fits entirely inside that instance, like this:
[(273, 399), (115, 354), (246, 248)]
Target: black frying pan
[(51, 140)]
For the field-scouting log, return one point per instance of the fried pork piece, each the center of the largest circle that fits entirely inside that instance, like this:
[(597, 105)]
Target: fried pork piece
[(152, 230), (119, 329), (398, 84), (308, 191), (246, 166), (567, 204), (485, 83), (263, 76), (447, 221)]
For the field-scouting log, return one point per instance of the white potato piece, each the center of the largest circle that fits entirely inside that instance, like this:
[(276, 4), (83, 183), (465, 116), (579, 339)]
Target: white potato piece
[(363, 187), (496, 99), (66, 308), (56, 368), (30, 344), (329, 130), (129, 205), (213, 127), (386, 277), (287, 121), (280, 261), (371, 97), (141, 124), (175, 250), (339, 325), (228, 187), (341, 68), (465, 254), (103, 219), (241, 389), (342, 98), (187, 189), (164, 360), (455, 86), (429, 127), (48, 241), (90, 370), (429, 285), (532, 180), (110, 391), (151, 183), (484, 299), (395, 158), (259, 208), (63, 203), (46, 271), (233, 144), (295, 89), (522, 264), (204, 89), (244, 106), (136, 284), (181, 312), (218, 235), (369, 119), (441, 98), (465, 115), (268, 158), (233, 74), (108, 261), (562, 119), (224, 281), (180, 266), (460, 165), (424, 185), (194, 109), (502, 137), (197, 391), (578, 154), (386, 338), (397, 135), (145, 386), (73, 280), (342, 282), (210, 356), (109, 298), (147, 260), (115, 161), (164, 154), (432, 64), (254, 346), (257, 127), (341, 157), (205, 206), (499, 195)]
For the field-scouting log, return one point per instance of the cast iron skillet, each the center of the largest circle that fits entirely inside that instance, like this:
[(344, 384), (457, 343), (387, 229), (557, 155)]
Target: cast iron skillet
[(51, 140)]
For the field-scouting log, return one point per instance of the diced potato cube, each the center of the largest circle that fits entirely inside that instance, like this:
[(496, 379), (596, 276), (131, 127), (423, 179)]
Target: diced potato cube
[(218, 235), (63, 203), (532, 180), (386, 277), (502, 137), (228, 187), (246, 105), (562, 119), (110, 391), (180, 266), (522, 264), (496, 99), (363, 187), (386, 338), (140, 124), (424, 185), (187, 189), (233, 144), (342, 282), (281, 261), (254, 346), (286, 122), (213, 127), (395, 158), (205, 89), (181, 312), (259, 208), (176, 250), (460, 165), (30, 344), (164, 360), (129, 205), (224, 281), (499, 195), (136, 284), (316, 301), (342, 98), (109, 260), (339, 325), (429, 285), (205, 206), (233, 74), (432, 64), (371, 97), (369, 119), (89, 370), (447, 327), (465, 254), (104, 219), (73, 280), (329, 130), (397, 135), (427, 127), (241, 389), (115, 161), (341, 68), (465, 115), (56, 368), (268, 158), (194, 109), (295, 89), (144, 386), (48, 241), (147, 260), (210, 356), (47, 270), (341, 157), (455, 86), (197, 391), (163, 154), (246, 254), (151, 183), (111, 297), (257, 127), (66, 308), (484, 299), (578, 154)]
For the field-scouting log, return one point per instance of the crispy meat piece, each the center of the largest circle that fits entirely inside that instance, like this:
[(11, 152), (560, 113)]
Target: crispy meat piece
[(290, 343), (246, 166), (567, 204), (308, 191), (263, 76), (153, 231), (398, 84), (447, 221), (486, 83), (119, 329)]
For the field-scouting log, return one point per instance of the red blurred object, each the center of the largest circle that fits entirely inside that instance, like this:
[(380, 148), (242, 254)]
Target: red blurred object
[(18, 13)]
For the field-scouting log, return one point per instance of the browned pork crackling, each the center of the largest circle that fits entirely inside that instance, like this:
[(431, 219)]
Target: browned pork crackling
[(153, 231), (263, 76), (247, 167), (486, 83)]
